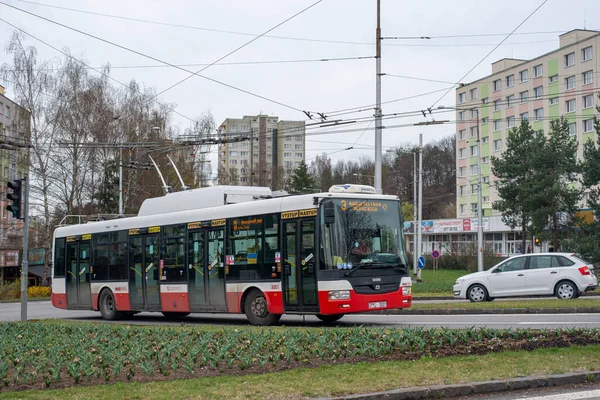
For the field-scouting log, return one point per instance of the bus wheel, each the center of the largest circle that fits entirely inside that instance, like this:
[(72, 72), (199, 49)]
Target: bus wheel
[(330, 317), (257, 310), (108, 307), (175, 314)]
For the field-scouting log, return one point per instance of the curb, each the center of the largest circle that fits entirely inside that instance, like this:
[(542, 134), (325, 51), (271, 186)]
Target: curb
[(417, 298), (442, 391), (475, 311)]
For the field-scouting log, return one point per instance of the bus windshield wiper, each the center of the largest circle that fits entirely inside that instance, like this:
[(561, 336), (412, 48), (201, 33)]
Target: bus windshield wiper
[(362, 265)]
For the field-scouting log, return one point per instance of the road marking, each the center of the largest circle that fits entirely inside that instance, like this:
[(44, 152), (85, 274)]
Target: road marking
[(556, 323), (588, 394)]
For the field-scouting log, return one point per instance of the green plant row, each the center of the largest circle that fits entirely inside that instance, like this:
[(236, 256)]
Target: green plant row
[(48, 354)]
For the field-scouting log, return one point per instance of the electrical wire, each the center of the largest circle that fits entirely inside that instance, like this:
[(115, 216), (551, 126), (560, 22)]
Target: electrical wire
[(239, 48), (153, 58), (494, 49)]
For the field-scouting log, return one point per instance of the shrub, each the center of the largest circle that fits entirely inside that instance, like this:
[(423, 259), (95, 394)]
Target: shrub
[(11, 290), (39, 291)]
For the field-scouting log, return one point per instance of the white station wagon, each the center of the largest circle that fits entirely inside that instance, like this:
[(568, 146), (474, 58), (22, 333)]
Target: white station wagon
[(561, 274)]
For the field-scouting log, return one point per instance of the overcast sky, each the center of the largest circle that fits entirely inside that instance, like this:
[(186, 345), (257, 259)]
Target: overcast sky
[(315, 86)]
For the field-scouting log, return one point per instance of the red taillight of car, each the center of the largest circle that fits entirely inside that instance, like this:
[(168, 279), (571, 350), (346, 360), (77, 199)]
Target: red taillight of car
[(584, 270)]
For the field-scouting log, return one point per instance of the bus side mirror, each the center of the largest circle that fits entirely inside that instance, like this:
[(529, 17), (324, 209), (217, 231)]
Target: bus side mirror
[(329, 212)]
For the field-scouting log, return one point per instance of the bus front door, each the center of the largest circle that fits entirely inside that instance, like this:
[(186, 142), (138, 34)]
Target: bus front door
[(144, 290), (206, 270), (299, 266), (79, 293)]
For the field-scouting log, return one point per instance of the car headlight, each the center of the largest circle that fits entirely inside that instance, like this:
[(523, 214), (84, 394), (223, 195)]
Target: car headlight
[(339, 295), (459, 281)]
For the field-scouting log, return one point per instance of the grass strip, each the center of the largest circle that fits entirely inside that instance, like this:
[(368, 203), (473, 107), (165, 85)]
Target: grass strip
[(440, 282), (336, 380), (528, 304)]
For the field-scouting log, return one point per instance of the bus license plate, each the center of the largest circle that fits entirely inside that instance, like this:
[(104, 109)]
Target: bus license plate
[(378, 304)]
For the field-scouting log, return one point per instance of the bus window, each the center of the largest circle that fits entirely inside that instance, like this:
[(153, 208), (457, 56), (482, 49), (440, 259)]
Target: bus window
[(59, 258), (101, 256), (173, 254)]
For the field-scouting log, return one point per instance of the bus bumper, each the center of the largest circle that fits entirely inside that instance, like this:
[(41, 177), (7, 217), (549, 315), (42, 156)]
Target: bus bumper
[(329, 304)]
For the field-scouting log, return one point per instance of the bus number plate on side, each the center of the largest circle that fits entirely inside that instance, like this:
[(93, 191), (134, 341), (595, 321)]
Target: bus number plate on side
[(378, 304)]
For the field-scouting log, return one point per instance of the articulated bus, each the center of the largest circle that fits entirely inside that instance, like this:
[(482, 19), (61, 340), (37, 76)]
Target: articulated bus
[(203, 251)]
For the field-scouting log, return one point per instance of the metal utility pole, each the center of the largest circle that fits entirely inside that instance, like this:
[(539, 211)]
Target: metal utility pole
[(378, 140), (121, 181), (479, 201), (420, 227), (25, 261), (415, 256)]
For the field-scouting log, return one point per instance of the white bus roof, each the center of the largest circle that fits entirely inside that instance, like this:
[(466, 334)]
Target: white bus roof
[(257, 207)]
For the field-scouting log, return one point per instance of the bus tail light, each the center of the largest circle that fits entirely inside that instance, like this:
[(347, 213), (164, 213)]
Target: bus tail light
[(585, 270), (339, 295)]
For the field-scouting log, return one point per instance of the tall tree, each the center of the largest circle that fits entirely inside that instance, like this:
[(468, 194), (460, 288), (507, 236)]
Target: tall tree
[(301, 181), (515, 177), (555, 191)]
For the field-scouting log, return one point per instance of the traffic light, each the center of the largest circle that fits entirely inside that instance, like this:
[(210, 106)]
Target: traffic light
[(537, 242), (15, 196)]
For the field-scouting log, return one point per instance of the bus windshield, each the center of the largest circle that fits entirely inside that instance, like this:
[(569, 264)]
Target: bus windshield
[(366, 233)]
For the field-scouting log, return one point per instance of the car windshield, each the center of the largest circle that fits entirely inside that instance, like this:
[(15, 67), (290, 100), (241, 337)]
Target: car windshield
[(366, 232)]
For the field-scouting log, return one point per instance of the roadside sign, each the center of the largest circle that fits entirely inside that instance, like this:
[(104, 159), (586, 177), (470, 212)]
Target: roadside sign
[(435, 254), (421, 262)]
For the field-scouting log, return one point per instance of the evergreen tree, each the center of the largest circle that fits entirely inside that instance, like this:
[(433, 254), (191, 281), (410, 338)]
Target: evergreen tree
[(301, 181), (107, 195), (515, 177)]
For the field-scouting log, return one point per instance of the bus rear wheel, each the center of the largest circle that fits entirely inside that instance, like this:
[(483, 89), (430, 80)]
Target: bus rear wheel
[(329, 318), (257, 310), (108, 307), (175, 314)]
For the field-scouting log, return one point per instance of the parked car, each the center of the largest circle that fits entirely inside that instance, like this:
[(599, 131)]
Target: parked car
[(561, 274)]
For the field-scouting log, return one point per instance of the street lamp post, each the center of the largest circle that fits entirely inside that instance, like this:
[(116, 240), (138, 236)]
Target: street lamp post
[(479, 190)]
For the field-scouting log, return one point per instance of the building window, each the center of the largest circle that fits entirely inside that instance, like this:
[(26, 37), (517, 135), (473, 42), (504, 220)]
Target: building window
[(486, 199), (473, 208), (462, 190), (554, 78), (298, 147), (287, 155), (539, 114), (588, 125), (524, 116), (473, 151), (486, 179), (287, 146), (474, 188), (473, 131), (463, 208), (588, 101), (498, 145), (510, 101), (497, 105), (233, 162), (497, 85), (484, 100), (474, 170), (554, 100), (497, 125), (570, 106), (524, 75), (462, 134), (572, 129), (298, 138), (233, 154), (473, 113), (510, 81), (473, 93), (485, 160), (462, 171), (243, 153), (538, 92), (462, 153), (569, 59), (570, 82), (524, 96), (538, 71), (510, 122), (485, 120), (587, 77), (461, 115), (298, 155), (485, 139), (586, 54), (287, 164), (462, 97)]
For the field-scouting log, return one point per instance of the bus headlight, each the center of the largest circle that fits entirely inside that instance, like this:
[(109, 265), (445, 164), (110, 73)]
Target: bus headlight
[(339, 295), (406, 290)]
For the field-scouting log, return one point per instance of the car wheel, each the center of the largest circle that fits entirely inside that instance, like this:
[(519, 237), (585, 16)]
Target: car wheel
[(328, 319), (477, 293), (175, 314), (257, 310), (108, 307), (566, 290)]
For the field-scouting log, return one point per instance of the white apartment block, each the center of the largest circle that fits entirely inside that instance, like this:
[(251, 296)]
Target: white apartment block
[(563, 82), (274, 149)]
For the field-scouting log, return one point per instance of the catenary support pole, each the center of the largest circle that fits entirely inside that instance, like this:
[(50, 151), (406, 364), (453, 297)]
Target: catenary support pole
[(415, 256), (24, 261), (420, 224), (378, 139), (479, 202)]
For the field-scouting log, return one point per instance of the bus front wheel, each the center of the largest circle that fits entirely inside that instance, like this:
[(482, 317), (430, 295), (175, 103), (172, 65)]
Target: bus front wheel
[(330, 318), (257, 310)]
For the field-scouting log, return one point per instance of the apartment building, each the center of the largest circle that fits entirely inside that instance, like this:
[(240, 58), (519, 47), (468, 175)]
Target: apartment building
[(273, 149), (14, 162), (563, 82)]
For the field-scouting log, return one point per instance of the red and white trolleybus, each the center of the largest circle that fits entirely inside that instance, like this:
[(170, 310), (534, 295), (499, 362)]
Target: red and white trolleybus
[(239, 250)]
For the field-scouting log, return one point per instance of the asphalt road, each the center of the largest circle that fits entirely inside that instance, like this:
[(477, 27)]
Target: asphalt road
[(45, 310), (576, 392)]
